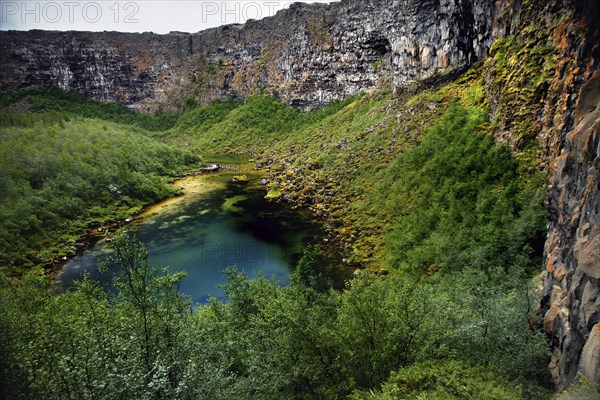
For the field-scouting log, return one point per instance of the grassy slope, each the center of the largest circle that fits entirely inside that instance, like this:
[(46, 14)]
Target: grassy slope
[(410, 182), (248, 127), (347, 164), (49, 101)]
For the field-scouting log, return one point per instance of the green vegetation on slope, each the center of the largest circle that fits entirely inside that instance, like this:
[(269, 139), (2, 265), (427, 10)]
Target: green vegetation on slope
[(43, 100), (449, 380), (57, 178), (456, 200), (410, 183), (267, 342), (229, 126)]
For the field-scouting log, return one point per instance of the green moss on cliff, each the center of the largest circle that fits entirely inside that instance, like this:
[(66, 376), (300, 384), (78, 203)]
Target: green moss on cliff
[(519, 71)]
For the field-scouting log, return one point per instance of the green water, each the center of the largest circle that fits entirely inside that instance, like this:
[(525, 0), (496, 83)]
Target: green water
[(225, 224)]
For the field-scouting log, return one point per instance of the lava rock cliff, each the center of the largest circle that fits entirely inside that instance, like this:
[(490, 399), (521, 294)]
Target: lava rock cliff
[(307, 55)]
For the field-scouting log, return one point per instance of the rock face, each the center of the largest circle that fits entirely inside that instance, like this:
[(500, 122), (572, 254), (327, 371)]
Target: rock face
[(548, 91), (572, 289), (132, 69), (570, 137), (562, 114), (307, 55), (590, 357)]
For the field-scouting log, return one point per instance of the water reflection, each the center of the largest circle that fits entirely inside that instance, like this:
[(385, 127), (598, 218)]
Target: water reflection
[(224, 224)]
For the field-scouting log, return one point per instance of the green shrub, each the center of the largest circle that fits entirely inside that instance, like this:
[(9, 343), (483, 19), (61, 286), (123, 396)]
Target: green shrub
[(444, 380), (457, 200), (51, 101), (53, 176)]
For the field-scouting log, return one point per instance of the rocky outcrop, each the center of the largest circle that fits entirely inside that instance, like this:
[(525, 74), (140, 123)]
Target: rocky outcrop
[(590, 357), (307, 55), (563, 111), (572, 285)]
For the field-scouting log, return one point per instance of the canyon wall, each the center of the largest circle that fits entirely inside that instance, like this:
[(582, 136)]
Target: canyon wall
[(571, 132), (543, 82), (307, 55)]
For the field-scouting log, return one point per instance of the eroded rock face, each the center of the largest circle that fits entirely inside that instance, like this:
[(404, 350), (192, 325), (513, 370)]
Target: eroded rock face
[(573, 246), (562, 115), (131, 69), (571, 297), (308, 55)]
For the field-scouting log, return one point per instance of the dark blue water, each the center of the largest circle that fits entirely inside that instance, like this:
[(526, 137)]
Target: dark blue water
[(230, 225)]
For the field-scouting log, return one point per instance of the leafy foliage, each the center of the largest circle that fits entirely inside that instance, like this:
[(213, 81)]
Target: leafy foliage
[(201, 119), (457, 200), (58, 178), (42, 100), (444, 381), (89, 344), (267, 342), (309, 271)]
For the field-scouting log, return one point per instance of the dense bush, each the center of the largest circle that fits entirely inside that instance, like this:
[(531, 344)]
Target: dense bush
[(58, 177), (445, 380), (89, 344), (42, 100), (146, 341), (457, 200)]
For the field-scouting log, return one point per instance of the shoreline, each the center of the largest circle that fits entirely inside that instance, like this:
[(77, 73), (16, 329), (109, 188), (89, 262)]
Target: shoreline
[(95, 234), (193, 183)]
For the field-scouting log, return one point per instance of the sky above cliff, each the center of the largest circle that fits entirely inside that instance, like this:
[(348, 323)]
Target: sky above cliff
[(159, 16)]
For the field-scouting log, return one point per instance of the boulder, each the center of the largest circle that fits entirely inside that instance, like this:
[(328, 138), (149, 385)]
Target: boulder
[(590, 356)]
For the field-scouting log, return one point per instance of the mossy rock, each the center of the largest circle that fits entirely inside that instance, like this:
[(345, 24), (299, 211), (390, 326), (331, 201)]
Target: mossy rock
[(240, 179), (274, 192)]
